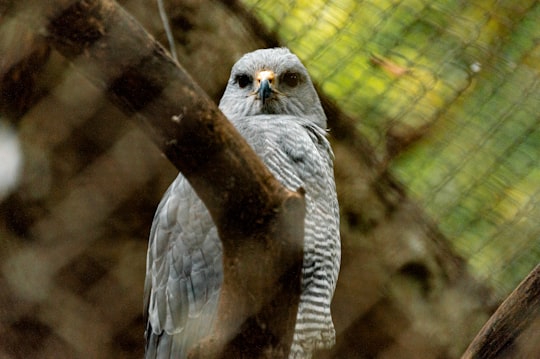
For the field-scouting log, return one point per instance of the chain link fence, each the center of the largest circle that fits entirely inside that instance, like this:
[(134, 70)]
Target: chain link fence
[(448, 92)]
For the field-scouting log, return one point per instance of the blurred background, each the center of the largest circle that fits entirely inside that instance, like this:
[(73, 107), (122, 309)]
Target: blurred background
[(448, 93), (434, 111)]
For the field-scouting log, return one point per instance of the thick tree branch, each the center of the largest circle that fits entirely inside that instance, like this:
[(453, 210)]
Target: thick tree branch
[(520, 311), (260, 223)]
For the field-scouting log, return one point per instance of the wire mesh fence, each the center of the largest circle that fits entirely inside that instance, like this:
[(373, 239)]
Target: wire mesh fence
[(449, 94), (446, 92)]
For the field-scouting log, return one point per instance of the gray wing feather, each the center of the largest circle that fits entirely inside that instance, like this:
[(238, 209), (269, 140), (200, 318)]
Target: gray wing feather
[(183, 274)]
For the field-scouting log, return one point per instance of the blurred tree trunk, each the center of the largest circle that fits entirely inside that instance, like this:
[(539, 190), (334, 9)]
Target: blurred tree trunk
[(402, 293)]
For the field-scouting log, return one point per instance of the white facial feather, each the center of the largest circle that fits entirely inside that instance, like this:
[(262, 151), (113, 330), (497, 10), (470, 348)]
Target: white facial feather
[(300, 99)]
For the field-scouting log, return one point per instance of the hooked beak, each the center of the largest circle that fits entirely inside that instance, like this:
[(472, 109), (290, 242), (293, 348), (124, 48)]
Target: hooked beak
[(265, 80)]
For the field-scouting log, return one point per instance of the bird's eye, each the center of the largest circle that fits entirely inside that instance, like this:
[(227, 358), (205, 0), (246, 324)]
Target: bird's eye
[(243, 80), (291, 79)]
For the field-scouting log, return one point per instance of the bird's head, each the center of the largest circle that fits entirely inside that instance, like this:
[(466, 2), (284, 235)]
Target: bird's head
[(271, 81)]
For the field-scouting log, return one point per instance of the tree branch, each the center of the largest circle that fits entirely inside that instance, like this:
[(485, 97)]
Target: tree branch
[(260, 223), (498, 337)]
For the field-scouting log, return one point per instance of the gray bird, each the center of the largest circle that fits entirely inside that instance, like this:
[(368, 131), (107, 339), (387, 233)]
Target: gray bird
[(271, 100)]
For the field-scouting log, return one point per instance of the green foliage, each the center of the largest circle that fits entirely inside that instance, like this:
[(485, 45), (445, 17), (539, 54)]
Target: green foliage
[(463, 77)]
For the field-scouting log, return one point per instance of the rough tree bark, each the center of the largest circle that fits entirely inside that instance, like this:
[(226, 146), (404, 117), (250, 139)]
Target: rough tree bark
[(512, 331), (401, 291)]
